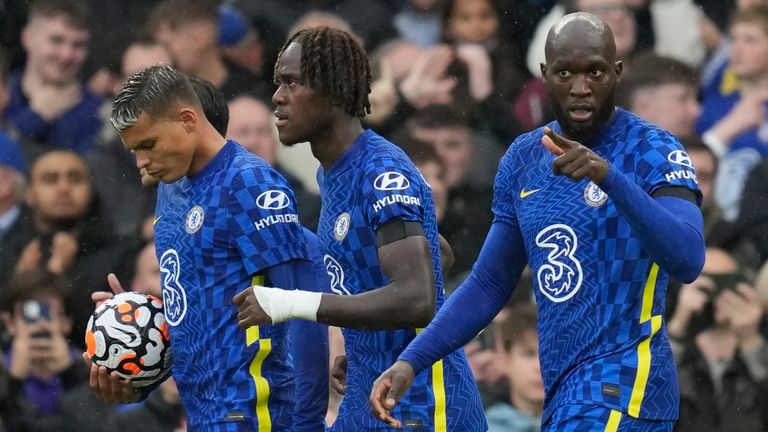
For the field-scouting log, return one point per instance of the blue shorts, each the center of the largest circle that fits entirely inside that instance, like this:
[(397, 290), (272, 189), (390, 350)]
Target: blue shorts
[(581, 418)]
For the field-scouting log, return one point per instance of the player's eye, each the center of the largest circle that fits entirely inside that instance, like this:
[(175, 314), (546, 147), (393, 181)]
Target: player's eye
[(564, 74), (596, 73)]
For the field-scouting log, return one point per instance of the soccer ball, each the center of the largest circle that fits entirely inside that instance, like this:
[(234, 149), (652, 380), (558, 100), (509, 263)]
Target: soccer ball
[(128, 334)]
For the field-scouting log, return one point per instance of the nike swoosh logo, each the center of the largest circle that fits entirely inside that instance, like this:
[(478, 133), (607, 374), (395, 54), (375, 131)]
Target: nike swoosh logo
[(525, 194), (154, 221)]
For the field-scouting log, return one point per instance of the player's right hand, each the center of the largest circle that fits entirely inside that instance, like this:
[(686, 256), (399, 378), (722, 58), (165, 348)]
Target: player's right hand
[(388, 389), (110, 387), (100, 297), (339, 374)]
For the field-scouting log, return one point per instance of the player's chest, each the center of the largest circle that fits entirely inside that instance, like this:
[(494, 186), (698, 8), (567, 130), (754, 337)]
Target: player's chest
[(544, 200), (190, 224)]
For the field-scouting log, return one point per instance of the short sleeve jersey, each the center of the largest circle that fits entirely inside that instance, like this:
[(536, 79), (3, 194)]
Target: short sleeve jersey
[(215, 233), (600, 297), (372, 184)]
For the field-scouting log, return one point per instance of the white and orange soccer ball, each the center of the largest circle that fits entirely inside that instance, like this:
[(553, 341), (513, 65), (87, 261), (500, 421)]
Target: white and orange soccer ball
[(128, 334)]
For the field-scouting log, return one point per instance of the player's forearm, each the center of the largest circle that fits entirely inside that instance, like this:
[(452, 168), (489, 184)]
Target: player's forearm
[(474, 304), (669, 228), (308, 342), (397, 305)]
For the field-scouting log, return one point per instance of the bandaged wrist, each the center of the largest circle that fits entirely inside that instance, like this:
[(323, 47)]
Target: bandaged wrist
[(282, 305)]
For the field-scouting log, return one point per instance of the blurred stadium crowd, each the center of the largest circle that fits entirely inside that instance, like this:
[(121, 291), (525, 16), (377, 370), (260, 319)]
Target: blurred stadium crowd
[(454, 82)]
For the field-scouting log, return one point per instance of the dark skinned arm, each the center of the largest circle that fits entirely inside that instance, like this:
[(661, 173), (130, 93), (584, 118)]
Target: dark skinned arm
[(407, 301)]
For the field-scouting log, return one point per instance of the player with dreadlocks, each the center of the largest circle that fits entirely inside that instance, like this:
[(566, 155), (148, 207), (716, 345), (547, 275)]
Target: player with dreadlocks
[(377, 232)]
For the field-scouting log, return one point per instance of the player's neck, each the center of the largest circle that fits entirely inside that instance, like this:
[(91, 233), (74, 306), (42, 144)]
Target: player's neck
[(210, 144), (329, 145)]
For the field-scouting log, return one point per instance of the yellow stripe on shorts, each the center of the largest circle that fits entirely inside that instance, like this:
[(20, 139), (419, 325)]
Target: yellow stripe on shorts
[(261, 384), (613, 421), (644, 348), (438, 390)]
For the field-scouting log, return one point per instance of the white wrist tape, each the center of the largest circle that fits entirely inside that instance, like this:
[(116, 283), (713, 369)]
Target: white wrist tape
[(282, 305)]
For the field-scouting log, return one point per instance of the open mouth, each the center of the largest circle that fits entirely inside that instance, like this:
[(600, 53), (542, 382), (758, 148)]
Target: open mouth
[(580, 113)]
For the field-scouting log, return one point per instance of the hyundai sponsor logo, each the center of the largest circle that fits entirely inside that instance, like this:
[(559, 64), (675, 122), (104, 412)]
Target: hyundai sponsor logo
[(391, 180), (273, 200), (392, 199), (681, 175), (680, 157)]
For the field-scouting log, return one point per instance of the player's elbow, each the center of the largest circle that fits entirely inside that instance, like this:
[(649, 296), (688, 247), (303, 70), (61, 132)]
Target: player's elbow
[(420, 315), (690, 265), (418, 310)]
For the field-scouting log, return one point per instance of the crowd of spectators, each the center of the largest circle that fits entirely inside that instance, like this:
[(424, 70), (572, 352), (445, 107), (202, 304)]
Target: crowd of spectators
[(454, 82)]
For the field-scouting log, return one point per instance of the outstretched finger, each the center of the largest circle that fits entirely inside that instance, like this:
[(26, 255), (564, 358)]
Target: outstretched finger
[(114, 284), (549, 143), (560, 141)]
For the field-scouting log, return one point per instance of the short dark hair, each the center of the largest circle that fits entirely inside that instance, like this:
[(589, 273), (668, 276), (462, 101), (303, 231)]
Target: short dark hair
[(74, 11), (213, 102), (650, 70), (35, 284), (334, 64), (438, 117), (521, 319), (175, 13), (152, 91)]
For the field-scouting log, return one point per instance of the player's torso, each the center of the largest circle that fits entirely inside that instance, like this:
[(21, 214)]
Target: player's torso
[(201, 270), (348, 241), (591, 278)]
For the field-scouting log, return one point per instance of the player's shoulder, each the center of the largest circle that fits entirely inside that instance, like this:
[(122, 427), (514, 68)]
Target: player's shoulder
[(645, 136), (527, 146), (247, 169), (381, 155)]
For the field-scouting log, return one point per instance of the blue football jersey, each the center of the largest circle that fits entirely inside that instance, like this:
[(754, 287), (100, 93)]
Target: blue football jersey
[(214, 232), (600, 297), (373, 183)]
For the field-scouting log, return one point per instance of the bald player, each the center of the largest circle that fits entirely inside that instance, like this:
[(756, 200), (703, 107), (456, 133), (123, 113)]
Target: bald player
[(603, 206)]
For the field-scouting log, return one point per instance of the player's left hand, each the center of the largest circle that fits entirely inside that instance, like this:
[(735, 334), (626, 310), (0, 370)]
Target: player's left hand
[(249, 310), (110, 387), (573, 159), (388, 389)]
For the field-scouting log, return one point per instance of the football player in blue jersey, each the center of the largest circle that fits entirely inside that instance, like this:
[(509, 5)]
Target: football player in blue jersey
[(378, 234), (603, 207), (224, 219)]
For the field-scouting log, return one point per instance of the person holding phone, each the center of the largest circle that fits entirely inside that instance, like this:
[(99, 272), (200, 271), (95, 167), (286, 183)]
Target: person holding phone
[(42, 366), (722, 357)]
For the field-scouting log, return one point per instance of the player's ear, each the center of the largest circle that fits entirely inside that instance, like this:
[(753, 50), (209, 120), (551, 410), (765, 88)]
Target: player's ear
[(188, 118), (543, 69), (619, 68)]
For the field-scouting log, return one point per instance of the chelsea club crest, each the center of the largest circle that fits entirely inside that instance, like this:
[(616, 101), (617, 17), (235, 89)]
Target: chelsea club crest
[(195, 219), (341, 227), (594, 196)]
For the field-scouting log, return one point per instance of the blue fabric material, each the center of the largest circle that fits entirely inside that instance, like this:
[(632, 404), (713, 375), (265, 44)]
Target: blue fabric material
[(600, 261)]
